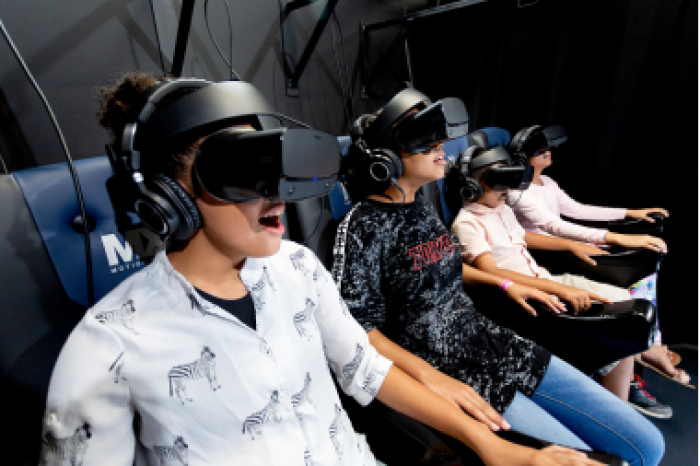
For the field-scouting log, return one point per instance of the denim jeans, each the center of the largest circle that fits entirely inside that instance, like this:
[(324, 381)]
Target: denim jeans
[(570, 409)]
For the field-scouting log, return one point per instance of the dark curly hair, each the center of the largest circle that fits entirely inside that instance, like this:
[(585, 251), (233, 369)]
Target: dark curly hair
[(121, 103)]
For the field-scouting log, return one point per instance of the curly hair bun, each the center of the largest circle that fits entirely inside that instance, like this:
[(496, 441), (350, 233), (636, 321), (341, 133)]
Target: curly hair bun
[(122, 102)]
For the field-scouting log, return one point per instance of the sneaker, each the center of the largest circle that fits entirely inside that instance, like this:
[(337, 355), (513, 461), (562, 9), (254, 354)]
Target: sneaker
[(645, 403)]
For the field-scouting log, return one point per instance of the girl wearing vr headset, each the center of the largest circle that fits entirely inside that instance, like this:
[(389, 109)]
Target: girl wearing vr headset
[(400, 273), (538, 210), (218, 351)]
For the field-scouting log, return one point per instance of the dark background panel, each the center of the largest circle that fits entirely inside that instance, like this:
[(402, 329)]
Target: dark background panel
[(619, 75)]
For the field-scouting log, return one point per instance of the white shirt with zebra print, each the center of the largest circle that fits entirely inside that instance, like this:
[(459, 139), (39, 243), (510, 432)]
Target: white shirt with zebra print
[(206, 389)]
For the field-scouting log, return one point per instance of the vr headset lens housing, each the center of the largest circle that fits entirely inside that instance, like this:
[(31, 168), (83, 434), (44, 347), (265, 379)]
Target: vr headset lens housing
[(555, 135), (441, 121), (235, 165), (501, 178)]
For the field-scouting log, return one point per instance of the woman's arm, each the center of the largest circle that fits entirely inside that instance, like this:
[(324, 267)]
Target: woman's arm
[(517, 292), (550, 243), (579, 299), (458, 393), (404, 394), (529, 207), (574, 209), (89, 401)]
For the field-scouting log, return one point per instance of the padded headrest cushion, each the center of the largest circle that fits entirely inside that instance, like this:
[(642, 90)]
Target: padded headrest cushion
[(51, 198), (479, 138)]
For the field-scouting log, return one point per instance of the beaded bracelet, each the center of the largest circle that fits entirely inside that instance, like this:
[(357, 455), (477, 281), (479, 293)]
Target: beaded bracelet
[(506, 283)]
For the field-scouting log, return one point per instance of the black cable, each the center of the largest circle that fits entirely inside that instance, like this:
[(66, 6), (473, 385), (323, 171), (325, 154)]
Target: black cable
[(342, 82), (516, 202), (74, 174), (297, 122), (345, 62), (4, 167), (229, 63), (160, 50), (396, 185), (318, 222)]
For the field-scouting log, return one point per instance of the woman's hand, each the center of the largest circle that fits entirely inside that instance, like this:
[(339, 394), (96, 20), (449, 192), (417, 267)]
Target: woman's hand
[(579, 299), (510, 454), (465, 397), (637, 241), (521, 293), (643, 214), (584, 251)]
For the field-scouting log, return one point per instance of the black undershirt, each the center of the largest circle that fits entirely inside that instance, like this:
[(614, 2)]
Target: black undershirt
[(242, 308)]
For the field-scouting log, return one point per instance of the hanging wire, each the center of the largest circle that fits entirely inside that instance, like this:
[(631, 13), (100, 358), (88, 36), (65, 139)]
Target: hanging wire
[(342, 82), (229, 62), (347, 71), (160, 50), (69, 159)]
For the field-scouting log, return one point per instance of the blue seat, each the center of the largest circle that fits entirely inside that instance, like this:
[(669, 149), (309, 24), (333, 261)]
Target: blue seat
[(497, 136)]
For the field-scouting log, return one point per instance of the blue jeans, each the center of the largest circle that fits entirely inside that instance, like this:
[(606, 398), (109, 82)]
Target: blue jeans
[(570, 409)]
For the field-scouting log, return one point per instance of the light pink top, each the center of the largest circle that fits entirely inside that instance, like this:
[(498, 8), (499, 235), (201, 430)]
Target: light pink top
[(540, 208), (481, 229)]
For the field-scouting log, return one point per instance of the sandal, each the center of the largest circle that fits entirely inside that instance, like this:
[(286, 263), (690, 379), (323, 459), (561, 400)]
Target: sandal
[(680, 376)]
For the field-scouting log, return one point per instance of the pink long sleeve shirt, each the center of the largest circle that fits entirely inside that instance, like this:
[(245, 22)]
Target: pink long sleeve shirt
[(540, 208)]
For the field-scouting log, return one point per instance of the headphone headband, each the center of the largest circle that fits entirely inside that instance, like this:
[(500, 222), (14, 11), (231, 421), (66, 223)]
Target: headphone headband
[(397, 107), (207, 107)]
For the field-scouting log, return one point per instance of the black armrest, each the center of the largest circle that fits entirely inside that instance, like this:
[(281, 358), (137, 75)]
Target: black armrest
[(626, 226), (395, 438), (601, 335), (622, 267)]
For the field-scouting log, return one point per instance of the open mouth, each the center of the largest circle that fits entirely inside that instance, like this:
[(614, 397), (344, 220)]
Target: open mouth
[(440, 160), (272, 221)]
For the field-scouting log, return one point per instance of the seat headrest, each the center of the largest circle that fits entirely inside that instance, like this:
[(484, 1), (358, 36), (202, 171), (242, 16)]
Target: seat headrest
[(497, 136), (50, 196), (479, 138)]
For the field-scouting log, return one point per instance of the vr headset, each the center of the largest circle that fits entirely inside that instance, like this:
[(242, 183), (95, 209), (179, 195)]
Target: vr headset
[(461, 186), (556, 136), (500, 177), (528, 142), (233, 165), (287, 164), (433, 124)]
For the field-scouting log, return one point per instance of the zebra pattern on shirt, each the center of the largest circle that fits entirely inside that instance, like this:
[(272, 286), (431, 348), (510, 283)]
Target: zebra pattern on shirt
[(318, 272), (297, 259), (117, 366), (298, 399), (305, 319), (205, 366), (350, 368), (124, 316), (255, 421), (337, 430), (178, 452), (71, 449), (257, 288), (367, 385)]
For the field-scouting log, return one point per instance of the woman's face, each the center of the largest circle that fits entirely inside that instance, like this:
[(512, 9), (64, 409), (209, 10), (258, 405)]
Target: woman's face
[(492, 197), (424, 167), (250, 229), (542, 159)]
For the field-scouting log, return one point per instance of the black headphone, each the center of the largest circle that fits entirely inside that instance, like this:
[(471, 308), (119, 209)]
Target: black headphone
[(516, 146), (378, 167), (162, 204), (468, 187)]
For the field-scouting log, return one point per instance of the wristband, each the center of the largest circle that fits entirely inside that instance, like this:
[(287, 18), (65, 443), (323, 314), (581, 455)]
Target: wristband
[(506, 283)]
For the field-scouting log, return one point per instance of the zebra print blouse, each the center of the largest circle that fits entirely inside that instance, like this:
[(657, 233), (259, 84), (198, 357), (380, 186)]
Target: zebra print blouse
[(399, 271), (205, 388)]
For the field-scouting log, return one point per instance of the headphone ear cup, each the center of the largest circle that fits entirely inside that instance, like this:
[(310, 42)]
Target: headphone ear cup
[(397, 169), (189, 219), (471, 190)]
